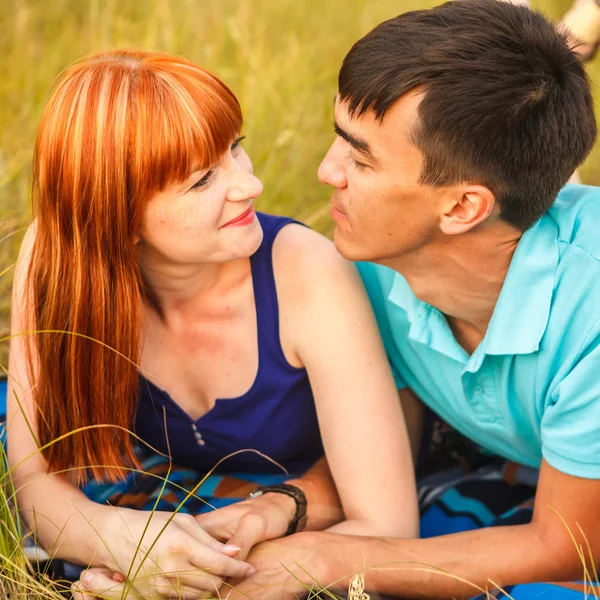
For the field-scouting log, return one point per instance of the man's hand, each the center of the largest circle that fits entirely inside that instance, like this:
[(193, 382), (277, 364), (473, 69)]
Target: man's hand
[(250, 522), (289, 567), (441, 567)]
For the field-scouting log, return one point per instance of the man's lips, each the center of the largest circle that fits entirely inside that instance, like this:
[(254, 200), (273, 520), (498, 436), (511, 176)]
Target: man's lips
[(335, 211), (241, 217)]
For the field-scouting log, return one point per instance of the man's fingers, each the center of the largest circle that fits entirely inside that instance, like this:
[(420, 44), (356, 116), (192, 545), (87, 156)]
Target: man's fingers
[(252, 589)]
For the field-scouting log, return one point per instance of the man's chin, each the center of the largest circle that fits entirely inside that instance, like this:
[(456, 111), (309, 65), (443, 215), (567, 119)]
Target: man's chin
[(348, 249)]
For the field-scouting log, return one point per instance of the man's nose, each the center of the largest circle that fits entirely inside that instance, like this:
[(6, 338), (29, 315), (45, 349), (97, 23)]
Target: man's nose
[(331, 170)]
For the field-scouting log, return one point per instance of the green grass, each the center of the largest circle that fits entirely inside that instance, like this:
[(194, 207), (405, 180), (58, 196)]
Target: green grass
[(279, 56)]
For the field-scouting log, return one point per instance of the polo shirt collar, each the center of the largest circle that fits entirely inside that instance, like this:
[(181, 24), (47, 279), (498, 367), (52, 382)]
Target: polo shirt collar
[(522, 311), (427, 324), (523, 308)]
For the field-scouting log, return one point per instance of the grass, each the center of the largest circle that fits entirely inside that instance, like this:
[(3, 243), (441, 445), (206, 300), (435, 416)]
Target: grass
[(17, 577), (279, 56)]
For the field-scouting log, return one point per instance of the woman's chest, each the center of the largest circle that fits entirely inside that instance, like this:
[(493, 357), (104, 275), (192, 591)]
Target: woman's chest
[(208, 359)]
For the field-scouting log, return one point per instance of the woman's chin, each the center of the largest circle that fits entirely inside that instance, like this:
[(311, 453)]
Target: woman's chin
[(248, 242)]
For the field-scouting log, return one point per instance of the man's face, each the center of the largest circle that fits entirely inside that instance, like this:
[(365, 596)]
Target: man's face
[(380, 208)]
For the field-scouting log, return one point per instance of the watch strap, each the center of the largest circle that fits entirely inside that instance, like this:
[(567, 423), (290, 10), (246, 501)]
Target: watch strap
[(298, 522)]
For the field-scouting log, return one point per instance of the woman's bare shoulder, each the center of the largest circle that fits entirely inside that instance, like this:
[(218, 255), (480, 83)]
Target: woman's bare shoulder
[(303, 248), (307, 264)]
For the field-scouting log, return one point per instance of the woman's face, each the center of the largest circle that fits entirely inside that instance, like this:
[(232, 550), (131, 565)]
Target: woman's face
[(206, 219)]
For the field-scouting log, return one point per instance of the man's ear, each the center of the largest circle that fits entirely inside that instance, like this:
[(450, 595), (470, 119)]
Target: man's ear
[(469, 207)]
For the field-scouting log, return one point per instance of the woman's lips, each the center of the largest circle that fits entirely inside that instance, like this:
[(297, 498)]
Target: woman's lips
[(244, 219)]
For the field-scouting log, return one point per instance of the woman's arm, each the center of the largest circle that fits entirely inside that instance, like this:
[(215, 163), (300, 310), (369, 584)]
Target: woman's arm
[(325, 310), (326, 317), (69, 525)]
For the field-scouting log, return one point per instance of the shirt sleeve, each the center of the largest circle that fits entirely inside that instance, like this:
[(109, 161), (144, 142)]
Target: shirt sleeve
[(373, 285), (570, 425)]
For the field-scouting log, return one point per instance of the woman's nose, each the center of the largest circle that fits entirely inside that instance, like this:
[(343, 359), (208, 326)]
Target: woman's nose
[(246, 186)]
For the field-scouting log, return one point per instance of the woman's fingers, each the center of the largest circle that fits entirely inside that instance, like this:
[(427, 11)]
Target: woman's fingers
[(98, 583), (204, 541), (77, 594), (217, 563), (219, 525), (189, 577), (191, 526), (101, 584), (249, 532)]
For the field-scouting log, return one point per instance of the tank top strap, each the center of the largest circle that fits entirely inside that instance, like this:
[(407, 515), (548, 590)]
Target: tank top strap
[(265, 293)]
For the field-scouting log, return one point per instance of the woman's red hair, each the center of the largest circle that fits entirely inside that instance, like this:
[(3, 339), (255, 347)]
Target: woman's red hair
[(118, 127)]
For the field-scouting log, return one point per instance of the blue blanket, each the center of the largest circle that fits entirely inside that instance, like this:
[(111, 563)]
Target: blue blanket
[(3, 390)]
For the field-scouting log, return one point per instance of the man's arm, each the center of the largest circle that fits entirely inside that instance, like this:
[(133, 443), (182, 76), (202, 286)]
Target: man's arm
[(414, 412), (441, 567)]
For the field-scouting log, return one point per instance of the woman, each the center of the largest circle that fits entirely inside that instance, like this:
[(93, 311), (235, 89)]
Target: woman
[(203, 326)]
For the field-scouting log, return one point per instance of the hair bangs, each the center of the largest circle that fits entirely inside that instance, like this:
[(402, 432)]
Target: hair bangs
[(186, 120)]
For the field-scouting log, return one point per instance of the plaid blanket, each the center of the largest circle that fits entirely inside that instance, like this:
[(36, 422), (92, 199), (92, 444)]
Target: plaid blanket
[(461, 488), (162, 486)]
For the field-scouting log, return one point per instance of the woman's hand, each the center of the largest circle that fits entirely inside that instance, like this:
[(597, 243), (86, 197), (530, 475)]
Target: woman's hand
[(160, 556), (250, 522)]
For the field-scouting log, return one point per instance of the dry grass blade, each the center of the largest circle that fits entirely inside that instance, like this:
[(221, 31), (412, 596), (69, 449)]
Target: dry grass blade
[(356, 588)]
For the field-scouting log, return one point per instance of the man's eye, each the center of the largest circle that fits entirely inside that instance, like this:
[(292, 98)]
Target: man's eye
[(202, 182), (354, 163)]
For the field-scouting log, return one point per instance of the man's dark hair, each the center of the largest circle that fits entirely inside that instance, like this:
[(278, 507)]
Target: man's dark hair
[(507, 103)]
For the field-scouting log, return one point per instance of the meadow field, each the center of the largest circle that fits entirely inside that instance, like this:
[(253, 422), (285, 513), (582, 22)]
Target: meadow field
[(280, 57)]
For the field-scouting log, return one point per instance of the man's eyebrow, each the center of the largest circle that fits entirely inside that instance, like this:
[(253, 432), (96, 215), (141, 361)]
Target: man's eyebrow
[(357, 143)]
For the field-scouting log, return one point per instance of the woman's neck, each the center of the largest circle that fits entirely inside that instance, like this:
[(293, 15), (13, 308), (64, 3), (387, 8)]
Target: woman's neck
[(188, 288)]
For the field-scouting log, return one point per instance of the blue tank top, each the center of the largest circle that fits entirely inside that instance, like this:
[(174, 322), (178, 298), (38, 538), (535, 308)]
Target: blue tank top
[(276, 416)]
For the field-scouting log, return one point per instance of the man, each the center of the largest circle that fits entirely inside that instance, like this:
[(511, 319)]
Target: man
[(456, 128)]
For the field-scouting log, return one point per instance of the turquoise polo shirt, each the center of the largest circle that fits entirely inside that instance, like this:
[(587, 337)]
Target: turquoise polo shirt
[(532, 386)]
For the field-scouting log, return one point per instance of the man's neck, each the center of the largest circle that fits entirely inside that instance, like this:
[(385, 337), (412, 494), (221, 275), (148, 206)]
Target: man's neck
[(462, 276)]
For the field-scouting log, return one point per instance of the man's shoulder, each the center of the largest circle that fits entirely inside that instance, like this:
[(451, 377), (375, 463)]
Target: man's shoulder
[(379, 280), (576, 213)]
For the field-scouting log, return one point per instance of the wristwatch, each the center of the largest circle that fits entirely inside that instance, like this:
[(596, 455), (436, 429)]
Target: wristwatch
[(298, 523)]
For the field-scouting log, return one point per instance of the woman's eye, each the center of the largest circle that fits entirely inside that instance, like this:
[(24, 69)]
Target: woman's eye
[(237, 143), (202, 182), (206, 179)]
